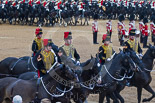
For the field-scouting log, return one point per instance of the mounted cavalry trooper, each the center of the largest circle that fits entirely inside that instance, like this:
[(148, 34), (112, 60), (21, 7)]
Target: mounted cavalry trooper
[(121, 29), (38, 41), (46, 58), (81, 8), (30, 2), (132, 43), (105, 51), (38, 2), (109, 26), (68, 49)]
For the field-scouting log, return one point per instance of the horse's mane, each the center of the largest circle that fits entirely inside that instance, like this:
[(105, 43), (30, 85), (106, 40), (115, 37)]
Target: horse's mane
[(146, 55), (117, 59), (85, 63)]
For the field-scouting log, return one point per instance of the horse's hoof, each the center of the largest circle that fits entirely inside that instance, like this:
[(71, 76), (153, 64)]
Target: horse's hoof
[(145, 100)]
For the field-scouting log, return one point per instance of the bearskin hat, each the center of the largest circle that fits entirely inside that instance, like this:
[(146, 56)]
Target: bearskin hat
[(121, 17), (145, 20), (109, 16), (152, 18), (141, 17), (132, 17), (95, 16)]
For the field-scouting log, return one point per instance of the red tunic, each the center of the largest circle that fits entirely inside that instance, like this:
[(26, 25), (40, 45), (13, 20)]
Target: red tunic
[(44, 3), (14, 4), (109, 26), (153, 30), (59, 3), (146, 30), (121, 28), (94, 27), (38, 2)]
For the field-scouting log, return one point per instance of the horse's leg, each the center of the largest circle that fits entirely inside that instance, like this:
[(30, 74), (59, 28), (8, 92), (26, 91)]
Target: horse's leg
[(101, 97), (108, 98), (113, 97), (139, 91), (150, 90), (117, 94)]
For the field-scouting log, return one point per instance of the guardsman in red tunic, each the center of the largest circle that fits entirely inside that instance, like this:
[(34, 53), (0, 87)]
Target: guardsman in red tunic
[(141, 26), (153, 31), (109, 26), (151, 26), (145, 32), (132, 22), (95, 28), (121, 29), (37, 44)]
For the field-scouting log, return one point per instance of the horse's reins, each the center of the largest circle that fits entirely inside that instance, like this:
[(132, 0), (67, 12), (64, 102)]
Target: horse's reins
[(113, 76), (53, 95), (14, 85), (15, 64)]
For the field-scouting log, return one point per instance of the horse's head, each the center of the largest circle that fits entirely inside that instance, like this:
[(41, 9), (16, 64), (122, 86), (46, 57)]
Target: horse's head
[(94, 66), (152, 50), (65, 72), (127, 61)]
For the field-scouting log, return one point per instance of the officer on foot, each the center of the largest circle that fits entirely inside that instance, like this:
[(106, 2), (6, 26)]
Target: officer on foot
[(95, 28), (121, 29), (146, 33)]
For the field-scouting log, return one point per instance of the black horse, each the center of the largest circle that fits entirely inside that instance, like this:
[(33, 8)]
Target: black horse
[(30, 91), (142, 77), (87, 80), (112, 73), (12, 66)]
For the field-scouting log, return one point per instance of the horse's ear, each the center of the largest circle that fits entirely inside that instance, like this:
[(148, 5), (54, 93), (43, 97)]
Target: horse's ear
[(91, 56), (120, 49), (150, 45)]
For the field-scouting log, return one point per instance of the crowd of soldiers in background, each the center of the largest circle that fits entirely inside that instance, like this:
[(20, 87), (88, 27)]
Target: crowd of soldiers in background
[(69, 12)]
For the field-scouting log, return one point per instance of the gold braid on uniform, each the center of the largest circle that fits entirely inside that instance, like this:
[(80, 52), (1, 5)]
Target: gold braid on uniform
[(133, 44), (107, 51), (69, 50), (39, 43), (48, 59)]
